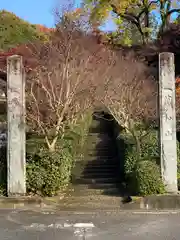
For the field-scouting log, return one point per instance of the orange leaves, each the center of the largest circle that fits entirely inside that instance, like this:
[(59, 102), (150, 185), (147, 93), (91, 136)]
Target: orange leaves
[(178, 85), (44, 29)]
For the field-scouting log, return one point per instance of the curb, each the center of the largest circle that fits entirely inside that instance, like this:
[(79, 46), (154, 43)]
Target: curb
[(154, 202), (161, 202), (29, 201)]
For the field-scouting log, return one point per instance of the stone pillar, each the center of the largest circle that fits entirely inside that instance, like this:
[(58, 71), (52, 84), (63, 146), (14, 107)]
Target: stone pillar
[(167, 115), (16, 153)]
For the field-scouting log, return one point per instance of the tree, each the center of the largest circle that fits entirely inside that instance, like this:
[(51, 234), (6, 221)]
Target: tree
[(166, 8), (137, 12), (130, 95), (63, 84), (15, 31)]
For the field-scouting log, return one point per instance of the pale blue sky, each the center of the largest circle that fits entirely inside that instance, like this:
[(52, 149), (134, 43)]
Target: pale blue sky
[(39, 11), (34, 11)]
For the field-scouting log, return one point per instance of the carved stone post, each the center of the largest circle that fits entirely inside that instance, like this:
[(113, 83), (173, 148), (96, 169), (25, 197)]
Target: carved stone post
[(167, 116), (16, 126)]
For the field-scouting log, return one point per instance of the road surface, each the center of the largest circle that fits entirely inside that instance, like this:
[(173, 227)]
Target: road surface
[(47, 225)]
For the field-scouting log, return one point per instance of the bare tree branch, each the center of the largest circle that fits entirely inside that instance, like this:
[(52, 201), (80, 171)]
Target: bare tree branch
[(64, 83)]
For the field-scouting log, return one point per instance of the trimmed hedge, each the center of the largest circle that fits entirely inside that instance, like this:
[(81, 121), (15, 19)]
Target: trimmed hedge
[(146, 179), (141, 169), (47, 173)]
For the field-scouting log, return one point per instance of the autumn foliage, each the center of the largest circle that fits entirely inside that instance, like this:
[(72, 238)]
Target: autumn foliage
[(16, 31), (64, 84)]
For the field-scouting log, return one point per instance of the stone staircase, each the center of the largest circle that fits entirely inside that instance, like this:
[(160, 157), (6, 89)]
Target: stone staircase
[(95, 184)]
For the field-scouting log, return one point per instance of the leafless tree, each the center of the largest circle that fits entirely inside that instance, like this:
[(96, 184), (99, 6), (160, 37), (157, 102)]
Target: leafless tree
[(63, 84), (130, 93)]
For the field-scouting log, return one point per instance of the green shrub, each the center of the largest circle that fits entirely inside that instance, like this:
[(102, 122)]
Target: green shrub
[(78, 133), (142, 175), (48, 172), (130, 160), (149, 149), (150, 145), (146, 179)]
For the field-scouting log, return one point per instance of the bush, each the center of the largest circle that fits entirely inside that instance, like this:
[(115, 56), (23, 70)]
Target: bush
[(149, 149), (146, 179), (142, 175), (50, 172), (150, 146), (78, 133), (130, 160), (46, 172)]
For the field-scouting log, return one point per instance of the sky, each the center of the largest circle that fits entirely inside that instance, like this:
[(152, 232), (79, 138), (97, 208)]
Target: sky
[(34, 11), (41, 11)]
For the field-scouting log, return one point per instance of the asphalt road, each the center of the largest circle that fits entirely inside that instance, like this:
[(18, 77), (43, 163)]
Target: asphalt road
[(39, 225)]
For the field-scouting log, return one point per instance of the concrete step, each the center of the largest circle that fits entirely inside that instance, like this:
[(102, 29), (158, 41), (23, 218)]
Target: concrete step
[(95, 180), (103, 185), (85, 191), (93, 198), (97, 174), (90, 207), (97, 169), (97, 202), (101, 152), (97, 157), (101, 159), (98, 140), (100, 169), (101, 147), (99, 137), (99, 144), (99, 164), (104, 169)]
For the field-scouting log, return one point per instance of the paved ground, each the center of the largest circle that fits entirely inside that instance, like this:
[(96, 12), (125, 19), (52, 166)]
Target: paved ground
[(34, 225)]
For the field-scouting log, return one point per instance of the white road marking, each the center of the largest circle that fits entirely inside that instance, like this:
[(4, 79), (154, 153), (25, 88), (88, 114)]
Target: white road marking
[(79, 229), (83, 225)]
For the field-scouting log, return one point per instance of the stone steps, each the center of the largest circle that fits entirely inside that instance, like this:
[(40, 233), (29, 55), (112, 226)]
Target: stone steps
[(113, 191), (97, 174), (91, 202), (89, 207), (104, 186), (104, 165), (96, 180), (100, 159), (100, 169), (92, 198), (97, 185)]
